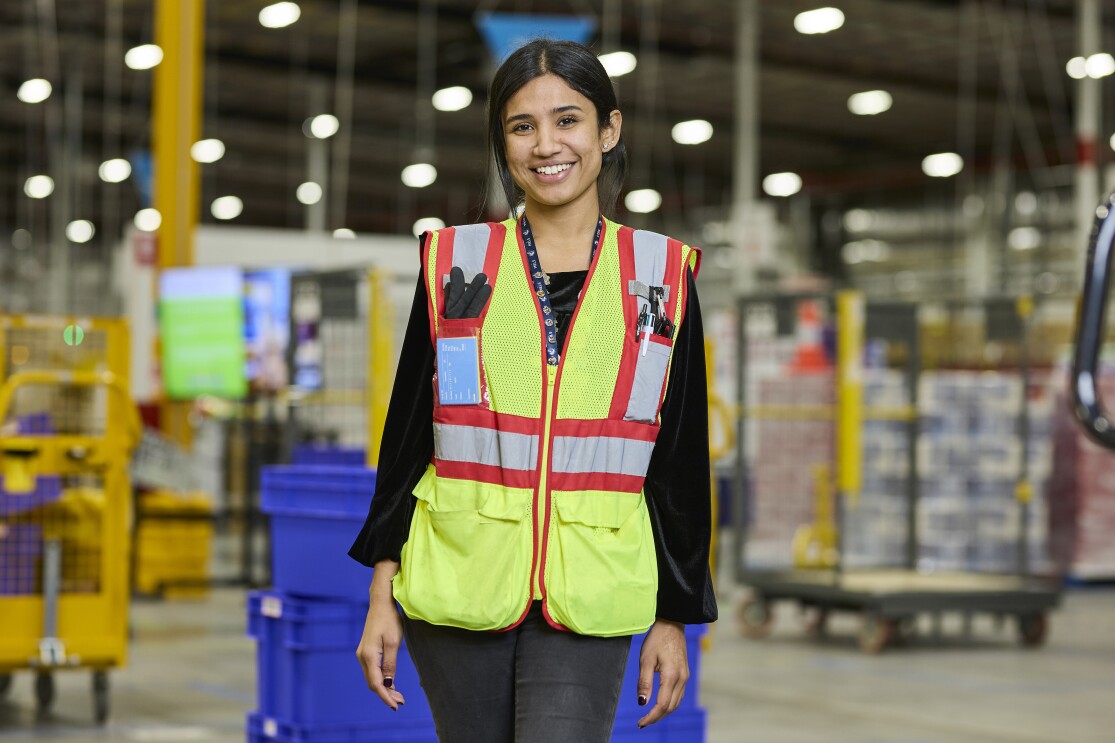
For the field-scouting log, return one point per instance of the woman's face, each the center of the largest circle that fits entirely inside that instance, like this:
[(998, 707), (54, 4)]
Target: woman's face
[(554, 144)]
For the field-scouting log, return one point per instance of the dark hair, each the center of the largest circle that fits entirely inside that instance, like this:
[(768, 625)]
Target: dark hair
[(581, 70)]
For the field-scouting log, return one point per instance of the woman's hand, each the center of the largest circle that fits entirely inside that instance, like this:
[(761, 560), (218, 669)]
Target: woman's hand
[(663, 651), (383, 634)]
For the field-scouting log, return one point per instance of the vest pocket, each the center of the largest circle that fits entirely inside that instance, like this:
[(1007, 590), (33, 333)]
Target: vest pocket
[(650, 380), (466, 562), (601, 570)]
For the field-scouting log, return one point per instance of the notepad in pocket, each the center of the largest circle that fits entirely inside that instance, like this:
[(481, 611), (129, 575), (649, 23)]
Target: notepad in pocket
[(458, 371)]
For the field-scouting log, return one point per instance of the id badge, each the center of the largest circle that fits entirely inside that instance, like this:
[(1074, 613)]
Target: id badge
[(458, 370)]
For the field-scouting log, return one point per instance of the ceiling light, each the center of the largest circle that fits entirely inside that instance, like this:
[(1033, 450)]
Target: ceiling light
[(309, 193), (80, 231), (1024, 238), (143, 57), (344, 233), (1100, 65), (322, 126), (39, 186), (279, 15), (782, 184), (694, 131), (617, 64), (1026, 202), (207, 150), (452, 99), (1112, 141), (419, 175), (643, 201), (870, 102), (860, 220), (34, 91), (227, 207), (148, 220), (942, 165), (819, 21), (426, 224), (115, 170), (1077, 68)]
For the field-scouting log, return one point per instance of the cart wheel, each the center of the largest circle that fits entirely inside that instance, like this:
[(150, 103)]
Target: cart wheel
[(5, 684), (876, 633), (1032, 629), (754, 617), (44, 690), (817, 622), (100, 696)]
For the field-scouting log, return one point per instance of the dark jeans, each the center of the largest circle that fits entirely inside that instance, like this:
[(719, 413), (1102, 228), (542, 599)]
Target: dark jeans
[(532, 684)]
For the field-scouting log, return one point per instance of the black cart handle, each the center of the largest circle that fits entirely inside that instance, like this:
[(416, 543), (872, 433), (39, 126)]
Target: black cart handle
[(1092, 326)]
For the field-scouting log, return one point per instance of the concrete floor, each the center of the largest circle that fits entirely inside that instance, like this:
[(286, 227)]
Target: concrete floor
[(191, 678)]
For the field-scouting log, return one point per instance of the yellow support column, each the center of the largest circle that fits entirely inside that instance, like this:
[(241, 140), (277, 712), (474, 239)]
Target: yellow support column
[(849, 411), (177, 104), (381, 358)]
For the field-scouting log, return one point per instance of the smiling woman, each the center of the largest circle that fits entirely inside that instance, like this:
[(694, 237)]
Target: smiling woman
[(543, 494)]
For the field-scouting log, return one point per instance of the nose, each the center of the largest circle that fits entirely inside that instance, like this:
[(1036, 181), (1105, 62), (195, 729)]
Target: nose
[(546, 143)]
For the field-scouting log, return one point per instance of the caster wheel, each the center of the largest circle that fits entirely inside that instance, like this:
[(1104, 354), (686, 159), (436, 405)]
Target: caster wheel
[(100, 696), (44, 691), (1033, 629), (817, 623), (5, 684), (876, 633), (754, 618)]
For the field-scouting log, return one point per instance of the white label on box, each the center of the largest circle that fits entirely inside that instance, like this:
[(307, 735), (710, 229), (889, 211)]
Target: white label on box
[(270, 727), (271, 607)]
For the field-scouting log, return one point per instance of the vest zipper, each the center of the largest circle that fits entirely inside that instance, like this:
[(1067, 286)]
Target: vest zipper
[(542, 494)]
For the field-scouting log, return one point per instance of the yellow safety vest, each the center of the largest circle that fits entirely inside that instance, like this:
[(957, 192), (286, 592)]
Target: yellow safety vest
[(536, 492)]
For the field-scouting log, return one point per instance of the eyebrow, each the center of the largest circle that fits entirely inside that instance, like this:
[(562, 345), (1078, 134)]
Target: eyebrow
[(558, 110)]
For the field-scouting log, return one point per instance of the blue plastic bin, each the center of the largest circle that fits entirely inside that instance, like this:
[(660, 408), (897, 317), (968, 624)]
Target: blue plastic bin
[(317, 455), (683, 726), (21, 550), (308, 675), (264, 729), (48, 489), (316, 513)]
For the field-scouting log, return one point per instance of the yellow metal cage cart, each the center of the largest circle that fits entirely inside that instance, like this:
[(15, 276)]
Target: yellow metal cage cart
[(67, 429)]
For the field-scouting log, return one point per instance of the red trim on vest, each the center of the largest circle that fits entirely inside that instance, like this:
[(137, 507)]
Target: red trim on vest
[(485, 473), (426, 239), (566, 481), (625, 377), (472, 415), (493, 256), (443, 265), (551, 621), (619, 429)]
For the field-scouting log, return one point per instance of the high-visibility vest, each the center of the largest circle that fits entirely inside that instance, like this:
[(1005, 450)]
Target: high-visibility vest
[(535, 492)]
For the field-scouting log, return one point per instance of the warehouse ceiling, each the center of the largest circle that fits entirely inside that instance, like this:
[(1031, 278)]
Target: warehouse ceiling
[(1006, 58)]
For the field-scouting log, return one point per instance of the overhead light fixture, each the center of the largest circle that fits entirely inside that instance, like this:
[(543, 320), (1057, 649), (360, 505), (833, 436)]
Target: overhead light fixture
[(39, 186), (819, 21), (452, 99), (36, 90), (1077, 67), (1112, 141), (227, 207), (1100, 65), (618, 64), (80, 231), (207, 150), (309, 193), (782, 184), (143, 57), (942, 165), (1026, 202), (426, 224), (115, 171), (148, 220), (642, 201), (344, 233), (694, 131), (865, 251), (860, 220), (279, 15), (419, 175), (1024, 238), (322, 126), (870, 102)]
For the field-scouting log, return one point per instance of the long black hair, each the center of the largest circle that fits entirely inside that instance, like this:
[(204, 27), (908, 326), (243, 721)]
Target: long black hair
[(581, 70)]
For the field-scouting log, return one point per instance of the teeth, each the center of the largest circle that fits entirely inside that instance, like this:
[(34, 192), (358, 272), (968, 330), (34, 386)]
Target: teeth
[(552, 169)]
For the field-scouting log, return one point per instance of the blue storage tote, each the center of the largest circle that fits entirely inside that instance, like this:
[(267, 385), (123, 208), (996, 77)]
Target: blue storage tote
[(683, 726), (263, 729), (47, 490), (308, 674), (21, 550), (316, 513), (318, 454)]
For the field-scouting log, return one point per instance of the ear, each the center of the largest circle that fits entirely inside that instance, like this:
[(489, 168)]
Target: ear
[(611, 131)]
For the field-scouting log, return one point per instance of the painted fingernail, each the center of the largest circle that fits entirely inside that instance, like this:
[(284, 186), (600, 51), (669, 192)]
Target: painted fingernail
[(642, 700), (388, 682)]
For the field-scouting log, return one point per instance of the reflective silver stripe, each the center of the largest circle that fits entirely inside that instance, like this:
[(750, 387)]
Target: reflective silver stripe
[(470, 247), (513, 451), (650, 260), (605, 454)]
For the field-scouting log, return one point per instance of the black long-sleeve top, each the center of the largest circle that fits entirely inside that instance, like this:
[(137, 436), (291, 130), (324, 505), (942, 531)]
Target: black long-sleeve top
[(677, 485)]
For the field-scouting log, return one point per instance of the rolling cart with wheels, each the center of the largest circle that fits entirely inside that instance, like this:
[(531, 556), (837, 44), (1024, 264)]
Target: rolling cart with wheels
[(67, 429)]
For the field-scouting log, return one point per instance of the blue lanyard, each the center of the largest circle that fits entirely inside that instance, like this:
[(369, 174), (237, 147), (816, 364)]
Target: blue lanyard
[(539, 280)]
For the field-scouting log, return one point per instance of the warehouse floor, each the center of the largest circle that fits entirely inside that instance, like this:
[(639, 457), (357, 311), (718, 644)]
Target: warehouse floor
[(191, 677)]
